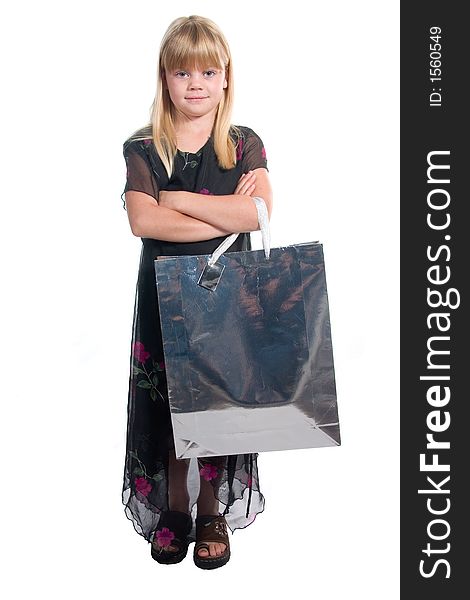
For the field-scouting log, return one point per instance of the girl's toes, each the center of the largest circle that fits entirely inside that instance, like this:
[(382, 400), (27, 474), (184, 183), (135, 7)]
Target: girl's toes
[(215, 549)]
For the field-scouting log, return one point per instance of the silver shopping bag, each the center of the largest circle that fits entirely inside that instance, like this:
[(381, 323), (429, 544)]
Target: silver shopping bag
[(247, 345)]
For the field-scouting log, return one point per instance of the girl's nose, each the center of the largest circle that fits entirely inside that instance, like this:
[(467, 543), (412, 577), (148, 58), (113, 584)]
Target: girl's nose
[(195, 81)]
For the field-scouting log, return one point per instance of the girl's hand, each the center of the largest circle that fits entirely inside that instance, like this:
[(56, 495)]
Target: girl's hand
[(246, 184)]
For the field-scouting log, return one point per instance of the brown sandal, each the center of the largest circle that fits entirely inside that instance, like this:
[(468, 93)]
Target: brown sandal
[(211, 529)]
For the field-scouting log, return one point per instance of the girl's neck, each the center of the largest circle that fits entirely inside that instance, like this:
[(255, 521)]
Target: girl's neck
[(192, 136), (192, 133), (191, 143), (195, 128)]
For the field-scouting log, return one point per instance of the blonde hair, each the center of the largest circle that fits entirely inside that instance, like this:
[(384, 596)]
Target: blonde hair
[(190, 42)]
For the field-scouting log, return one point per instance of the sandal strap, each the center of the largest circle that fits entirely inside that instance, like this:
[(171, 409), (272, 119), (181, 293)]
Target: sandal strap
[(213, 532), (179, 523)]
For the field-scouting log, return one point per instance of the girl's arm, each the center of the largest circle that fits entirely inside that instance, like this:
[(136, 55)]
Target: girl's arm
[(234, 212), (150, 220)]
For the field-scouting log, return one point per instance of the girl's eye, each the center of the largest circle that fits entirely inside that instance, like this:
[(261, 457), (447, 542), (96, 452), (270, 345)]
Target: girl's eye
[(209, 73)]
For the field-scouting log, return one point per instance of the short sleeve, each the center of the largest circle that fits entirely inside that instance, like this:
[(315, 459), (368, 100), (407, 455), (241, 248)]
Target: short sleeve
[(254, 153), (139, 176)]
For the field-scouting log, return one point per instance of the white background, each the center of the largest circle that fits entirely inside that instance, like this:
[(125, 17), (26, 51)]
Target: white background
[(318, 82)]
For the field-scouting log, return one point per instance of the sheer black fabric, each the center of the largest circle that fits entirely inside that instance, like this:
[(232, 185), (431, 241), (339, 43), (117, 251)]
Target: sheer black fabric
[(234, 478)]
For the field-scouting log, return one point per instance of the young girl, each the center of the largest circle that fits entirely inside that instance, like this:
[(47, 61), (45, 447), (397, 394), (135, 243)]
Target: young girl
[(190, 178)]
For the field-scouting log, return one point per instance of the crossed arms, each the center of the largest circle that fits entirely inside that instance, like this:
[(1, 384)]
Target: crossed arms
[(189, 217)]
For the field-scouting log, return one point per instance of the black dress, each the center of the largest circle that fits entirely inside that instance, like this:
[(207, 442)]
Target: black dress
[(149, 431)]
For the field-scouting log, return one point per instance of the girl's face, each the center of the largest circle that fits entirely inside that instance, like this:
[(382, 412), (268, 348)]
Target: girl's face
[(196, 92)]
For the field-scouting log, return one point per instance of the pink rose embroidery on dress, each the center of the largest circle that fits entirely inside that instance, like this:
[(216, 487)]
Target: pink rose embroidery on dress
[(240, 149), (150, 379), (208, 471), (140, 353), (142, 486), (263, 153)]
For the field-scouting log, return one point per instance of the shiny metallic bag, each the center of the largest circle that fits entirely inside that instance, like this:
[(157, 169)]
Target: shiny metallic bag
[(248, 352)]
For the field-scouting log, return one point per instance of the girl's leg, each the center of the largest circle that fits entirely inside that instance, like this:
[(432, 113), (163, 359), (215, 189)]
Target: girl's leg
[(178, 496), (208, 504)]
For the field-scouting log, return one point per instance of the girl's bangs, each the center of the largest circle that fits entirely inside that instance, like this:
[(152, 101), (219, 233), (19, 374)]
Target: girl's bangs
[(192, 53)]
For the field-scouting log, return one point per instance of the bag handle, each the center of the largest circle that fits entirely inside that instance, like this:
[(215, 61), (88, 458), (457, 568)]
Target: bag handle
[(263, 220)]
